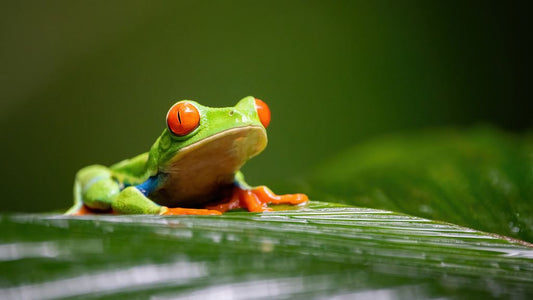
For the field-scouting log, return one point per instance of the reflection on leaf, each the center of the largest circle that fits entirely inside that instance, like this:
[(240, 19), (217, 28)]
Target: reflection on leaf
[(321, 250), (481, 178)]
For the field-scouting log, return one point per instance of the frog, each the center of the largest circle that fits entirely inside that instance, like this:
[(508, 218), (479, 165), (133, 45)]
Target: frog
[(193, 167)]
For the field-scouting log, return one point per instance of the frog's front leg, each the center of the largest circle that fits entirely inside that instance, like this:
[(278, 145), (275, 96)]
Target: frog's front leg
[(256, 199)]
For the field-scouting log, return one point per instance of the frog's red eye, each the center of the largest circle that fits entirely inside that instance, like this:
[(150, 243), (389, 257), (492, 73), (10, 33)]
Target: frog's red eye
[(263, 111), (183, 118)]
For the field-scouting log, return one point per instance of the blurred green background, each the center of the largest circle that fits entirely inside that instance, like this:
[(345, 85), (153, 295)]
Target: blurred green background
[(88, 82)]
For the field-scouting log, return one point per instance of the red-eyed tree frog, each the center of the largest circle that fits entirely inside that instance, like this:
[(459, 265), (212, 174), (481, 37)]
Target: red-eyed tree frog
[(192, 168)]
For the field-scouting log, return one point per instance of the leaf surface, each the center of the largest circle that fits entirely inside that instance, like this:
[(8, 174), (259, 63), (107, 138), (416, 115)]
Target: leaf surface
[(320, 250)]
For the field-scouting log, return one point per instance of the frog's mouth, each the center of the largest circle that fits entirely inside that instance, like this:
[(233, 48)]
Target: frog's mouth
[(200, 169)]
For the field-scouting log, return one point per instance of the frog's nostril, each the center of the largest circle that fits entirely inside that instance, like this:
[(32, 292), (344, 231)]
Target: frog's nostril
[(231, 112)]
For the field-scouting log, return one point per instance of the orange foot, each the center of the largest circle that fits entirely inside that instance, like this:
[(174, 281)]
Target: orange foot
[(257, 199), (84, 210), (190, 211)]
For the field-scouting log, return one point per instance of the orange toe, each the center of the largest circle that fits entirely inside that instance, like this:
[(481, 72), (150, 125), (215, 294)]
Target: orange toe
[(190, 211), (252, 202), (266, 195), (223, 207), (84, 210)]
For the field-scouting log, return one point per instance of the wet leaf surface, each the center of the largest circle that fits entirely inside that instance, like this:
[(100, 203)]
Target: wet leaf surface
[(317, 251)]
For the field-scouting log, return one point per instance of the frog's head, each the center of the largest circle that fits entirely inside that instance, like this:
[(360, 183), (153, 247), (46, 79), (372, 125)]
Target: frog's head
[(203, 137)]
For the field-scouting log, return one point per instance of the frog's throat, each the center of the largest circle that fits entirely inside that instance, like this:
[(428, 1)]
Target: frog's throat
[(204, 167), (244, 142)]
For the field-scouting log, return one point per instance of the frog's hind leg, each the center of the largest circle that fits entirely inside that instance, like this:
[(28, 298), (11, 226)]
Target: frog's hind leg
[(94, 190), (78, 207)]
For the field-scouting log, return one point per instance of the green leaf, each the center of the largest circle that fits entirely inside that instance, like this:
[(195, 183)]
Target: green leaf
[(319, 250), (480, 178)]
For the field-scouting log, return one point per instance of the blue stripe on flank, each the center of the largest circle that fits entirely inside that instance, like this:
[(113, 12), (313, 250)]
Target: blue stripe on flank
[(148, 186)]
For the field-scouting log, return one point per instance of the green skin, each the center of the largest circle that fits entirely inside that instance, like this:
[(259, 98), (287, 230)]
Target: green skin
[(113, 188)]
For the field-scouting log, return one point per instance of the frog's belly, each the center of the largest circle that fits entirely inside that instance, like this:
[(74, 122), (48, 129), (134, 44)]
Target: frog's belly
[(193, 193), (205, 171)]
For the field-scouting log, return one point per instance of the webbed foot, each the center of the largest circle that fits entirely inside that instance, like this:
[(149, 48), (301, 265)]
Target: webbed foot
[(257, 200)]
